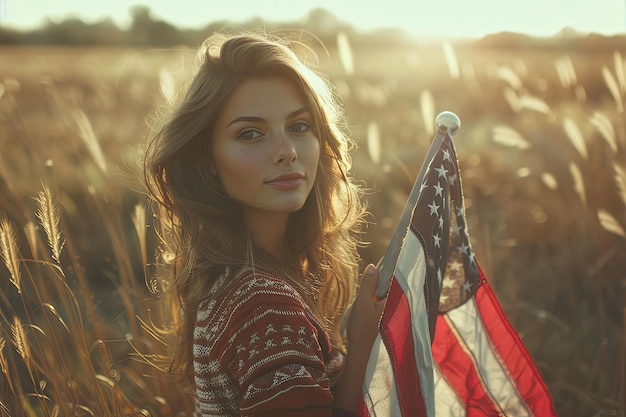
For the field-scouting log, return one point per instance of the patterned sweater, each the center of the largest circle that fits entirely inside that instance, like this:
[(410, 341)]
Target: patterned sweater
[(259, 351)]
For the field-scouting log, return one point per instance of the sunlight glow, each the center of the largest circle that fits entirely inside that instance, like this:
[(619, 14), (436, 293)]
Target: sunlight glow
[(442, 18)]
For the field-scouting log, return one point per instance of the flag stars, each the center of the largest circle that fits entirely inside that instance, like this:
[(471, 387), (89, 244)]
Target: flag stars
[(471, 257), (442, 171), (441, 223), (437, 240), (452, 179), (448, 283), (455, 265), (464, 248), (434, 209), (438, 190), (446, 155), (467, 286), (443, 298)]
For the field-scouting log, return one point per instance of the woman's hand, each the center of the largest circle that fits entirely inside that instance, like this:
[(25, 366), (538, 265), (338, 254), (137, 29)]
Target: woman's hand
[(362, 330), (365, 313)]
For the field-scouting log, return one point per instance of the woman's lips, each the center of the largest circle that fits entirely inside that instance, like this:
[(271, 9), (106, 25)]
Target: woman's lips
[(286, 181)]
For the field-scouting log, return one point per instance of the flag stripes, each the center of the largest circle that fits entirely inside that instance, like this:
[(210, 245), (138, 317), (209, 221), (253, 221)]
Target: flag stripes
[(436, 294), (382, 398), (396, 333), (458, 367), (446, 398), (520, 367), (406, 341)]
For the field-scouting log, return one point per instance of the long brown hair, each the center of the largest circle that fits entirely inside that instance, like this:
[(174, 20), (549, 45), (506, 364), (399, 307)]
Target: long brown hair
[(204, 225)]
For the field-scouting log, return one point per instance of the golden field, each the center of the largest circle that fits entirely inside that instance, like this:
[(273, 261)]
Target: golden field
[(542, 153)]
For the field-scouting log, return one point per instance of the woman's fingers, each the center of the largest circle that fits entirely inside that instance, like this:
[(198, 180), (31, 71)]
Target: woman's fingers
[(369, 279), (379, 306), (369, 283)]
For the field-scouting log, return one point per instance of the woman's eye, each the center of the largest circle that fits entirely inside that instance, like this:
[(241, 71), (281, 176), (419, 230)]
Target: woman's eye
[(249, 134), (300, 127)]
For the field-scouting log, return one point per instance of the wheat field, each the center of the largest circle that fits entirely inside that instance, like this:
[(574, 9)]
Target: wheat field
[(84, 323)]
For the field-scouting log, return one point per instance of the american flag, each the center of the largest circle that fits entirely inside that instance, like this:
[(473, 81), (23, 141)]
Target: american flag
[(445, 347)]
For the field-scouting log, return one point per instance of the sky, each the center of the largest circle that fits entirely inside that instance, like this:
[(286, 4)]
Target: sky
[(449, 18)]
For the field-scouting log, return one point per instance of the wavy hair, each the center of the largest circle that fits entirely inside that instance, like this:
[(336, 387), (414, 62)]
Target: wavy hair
[(204, 225)]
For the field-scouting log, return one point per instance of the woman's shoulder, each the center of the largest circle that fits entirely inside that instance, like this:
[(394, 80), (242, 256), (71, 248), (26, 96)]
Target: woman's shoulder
[(254, 284), (258, 304), (251, 289)]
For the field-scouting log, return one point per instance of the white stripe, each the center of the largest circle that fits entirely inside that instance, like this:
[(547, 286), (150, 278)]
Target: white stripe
[(489, 364), (410, 274), (379, 389), (447, 403), (379, 384)]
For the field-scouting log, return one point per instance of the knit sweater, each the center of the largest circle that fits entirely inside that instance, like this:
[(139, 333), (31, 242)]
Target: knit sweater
[(259, 351)]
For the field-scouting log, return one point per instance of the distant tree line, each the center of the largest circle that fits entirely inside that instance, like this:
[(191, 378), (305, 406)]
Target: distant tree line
[(147, 31)]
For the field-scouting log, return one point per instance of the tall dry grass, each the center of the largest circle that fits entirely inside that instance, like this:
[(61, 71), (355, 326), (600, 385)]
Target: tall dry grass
[(83, 325), (68, 357), (78, 335)]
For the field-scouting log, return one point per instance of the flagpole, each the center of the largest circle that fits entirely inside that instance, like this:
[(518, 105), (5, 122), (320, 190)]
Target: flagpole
[(447, 123)]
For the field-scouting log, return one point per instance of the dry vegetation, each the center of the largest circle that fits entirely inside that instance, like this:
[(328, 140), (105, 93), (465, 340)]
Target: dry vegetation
[(542, 150)]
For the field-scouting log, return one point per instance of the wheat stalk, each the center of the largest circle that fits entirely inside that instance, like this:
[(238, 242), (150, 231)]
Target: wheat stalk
[(3, 359), (373, 142), (48, 213), (613, 87), (453, 64), (507, 136), (139, 222), (620, 182), (85, 131), (602, 122), (566, 72), (575, 137), (619, 70), (4, 364), (19, 339), (579, 185), (549, 180), (513, 99), (609, 223), (530, 102), (507, 74), (427, 104), (10, 252), (345, 53)]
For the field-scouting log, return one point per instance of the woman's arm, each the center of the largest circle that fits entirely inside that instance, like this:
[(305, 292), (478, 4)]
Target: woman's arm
[(275, 352)]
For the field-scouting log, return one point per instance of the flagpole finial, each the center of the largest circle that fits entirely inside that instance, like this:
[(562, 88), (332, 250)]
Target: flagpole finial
[(448, 121)]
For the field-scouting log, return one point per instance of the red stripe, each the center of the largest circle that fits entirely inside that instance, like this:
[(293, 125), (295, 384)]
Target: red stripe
[(459, 370), (397, 336), (512, 351), (361, 409)]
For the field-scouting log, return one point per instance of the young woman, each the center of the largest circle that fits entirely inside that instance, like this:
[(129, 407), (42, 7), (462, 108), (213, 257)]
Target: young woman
[(251, 174)]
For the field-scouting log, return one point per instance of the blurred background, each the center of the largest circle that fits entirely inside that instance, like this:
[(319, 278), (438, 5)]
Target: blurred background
[(539, 88)]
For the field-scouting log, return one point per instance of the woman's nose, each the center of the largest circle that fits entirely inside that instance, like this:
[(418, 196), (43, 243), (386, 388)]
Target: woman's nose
[(285, 150)]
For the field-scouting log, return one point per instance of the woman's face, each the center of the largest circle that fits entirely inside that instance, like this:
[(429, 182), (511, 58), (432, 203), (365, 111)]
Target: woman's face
[(265, 148)]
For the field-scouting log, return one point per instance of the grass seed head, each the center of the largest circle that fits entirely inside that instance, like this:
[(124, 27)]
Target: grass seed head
[(10, 251), (48, 213), (20, 339)]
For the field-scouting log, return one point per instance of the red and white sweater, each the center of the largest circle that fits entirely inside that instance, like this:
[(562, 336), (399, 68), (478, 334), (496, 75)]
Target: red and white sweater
[(259, 351)]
